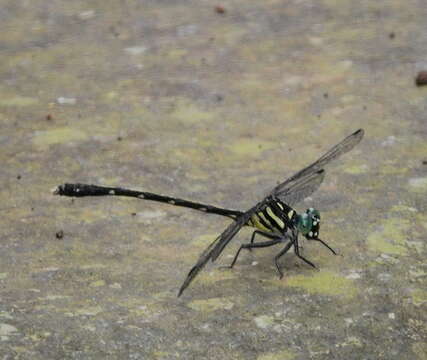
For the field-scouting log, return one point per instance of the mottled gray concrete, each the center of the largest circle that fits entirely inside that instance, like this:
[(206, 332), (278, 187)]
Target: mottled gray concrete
[(173, 97)]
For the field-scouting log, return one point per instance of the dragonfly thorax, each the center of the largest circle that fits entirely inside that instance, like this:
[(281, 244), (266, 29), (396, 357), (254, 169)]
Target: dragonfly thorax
[(308, 223)]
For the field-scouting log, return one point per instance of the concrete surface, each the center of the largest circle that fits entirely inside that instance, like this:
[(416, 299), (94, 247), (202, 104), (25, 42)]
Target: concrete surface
[(177, 98)]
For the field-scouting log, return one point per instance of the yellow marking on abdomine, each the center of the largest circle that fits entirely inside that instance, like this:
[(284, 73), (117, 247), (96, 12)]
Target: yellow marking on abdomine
[(275, 218), (258, 224), (262, 216), (279, 205), (290, 214)]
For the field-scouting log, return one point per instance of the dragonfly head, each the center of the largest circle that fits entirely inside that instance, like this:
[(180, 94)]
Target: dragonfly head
[(308, 223)]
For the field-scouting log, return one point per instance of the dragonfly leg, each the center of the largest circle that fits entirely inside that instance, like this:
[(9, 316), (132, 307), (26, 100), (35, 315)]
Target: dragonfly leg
[(296, 248), (279, 255), (251, 245), (263, 233), (323, 243)]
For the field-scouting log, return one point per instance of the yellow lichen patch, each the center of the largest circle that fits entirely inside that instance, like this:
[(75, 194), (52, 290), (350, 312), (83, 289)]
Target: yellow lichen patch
[(54, 297), (176, 54), (91, 215), (324, 282), (419, 297), (391, 238), (281, 355), (97, 283), (352, 341), (421, 219), (111, 95), (147, 311), (229, 33), (388, 169), (402, 209), (356, 169), (93, 266), (46, 138), (189, 114), (159, 355), (184, 155), (250, 147), (89, 311), (210, 305), (18, 101), (203, 240)]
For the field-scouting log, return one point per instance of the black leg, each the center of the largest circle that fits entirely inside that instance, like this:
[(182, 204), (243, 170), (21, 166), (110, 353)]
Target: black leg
[(257, 245), (265, 234), (280, 254), (302, 257), (322, 242)]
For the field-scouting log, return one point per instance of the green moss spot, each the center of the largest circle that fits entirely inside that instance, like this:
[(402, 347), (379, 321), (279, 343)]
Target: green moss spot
[(391, 238), (189, 114), (160, 355), (250, 147), (324, 282), (97, 283), (356, 169), (89, 311), (419, 297), (210, 305), (44, 139), (203, 240), (403, 209), (18, 101)]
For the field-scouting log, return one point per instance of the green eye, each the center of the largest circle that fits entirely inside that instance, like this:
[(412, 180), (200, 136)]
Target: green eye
[(304, 224)]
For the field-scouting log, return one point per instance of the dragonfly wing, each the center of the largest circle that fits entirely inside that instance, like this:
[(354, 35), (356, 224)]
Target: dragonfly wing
[(216, 247), (292, 190), (294, 183), (298, 190)]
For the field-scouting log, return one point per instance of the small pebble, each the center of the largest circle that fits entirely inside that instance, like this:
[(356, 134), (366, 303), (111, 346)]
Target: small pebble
[(219, 9), (421, 78)]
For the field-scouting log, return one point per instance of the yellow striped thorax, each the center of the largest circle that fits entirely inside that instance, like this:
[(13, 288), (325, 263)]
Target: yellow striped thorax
[(275, 216)]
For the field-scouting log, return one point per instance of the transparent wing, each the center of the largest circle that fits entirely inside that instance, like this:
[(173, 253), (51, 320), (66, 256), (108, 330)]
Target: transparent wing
[(295, 182), (299, 189), (217, 246)]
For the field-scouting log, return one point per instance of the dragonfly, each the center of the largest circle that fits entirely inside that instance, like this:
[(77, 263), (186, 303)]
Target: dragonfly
[(273, 218)]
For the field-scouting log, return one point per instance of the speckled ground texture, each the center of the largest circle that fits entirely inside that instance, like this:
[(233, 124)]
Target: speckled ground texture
[(175, 97)]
